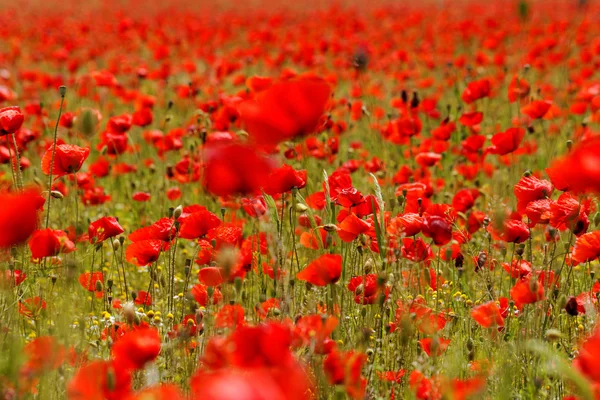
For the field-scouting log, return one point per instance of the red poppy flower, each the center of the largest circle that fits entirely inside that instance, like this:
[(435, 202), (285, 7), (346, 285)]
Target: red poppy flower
[(529, 189), (351, 227), (285, 110), (476, 90), (200, 293), (439, 345), (284, 179), (11, 120), (416, 250), (144, 252), (409, 224), (44, 354), (255, 207), (537, 109), (163, 229), (68, 159), (507, 142), (18, 216), (315, 330), (143, 298), (232, 169), (569, 213), (100, 380), (197, 224), (349, 197), (89, 281), (136, 348), (12, 278), (211, 276), (518, 89), (323, 271), (487, 315), (230, 316), (345, 368), (518, 268), (511, 231), (527, 291), (587, 247), (104, 228), (437, 224), (366, 289), (579, 170), (587, 359), (427, 159), (32, 306), (49, 243), (471, 118), (464, 199)]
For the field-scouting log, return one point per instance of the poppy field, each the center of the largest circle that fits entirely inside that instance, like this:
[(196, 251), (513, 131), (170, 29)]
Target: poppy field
[(322, 200)]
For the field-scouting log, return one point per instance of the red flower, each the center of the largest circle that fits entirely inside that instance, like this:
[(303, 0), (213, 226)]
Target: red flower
[(141, 196), (230, 316), (18, 216), (99, 380), (587, 359), (529, 189), (211, 276), (284, 179), (197, 224), (471, 118), (200, 293), (143, 298), (527, 291), (144, 252), (345, 368), (323, 271), (537, 109), (255, 207), (89, 281), (68, 159), (511, 231), (437, 224), (136, 348), (518, 268), (587, 247), (32, 306), (439, 345), (315, 330), (464, 199), (351, 227), (518, 89), (366, 289), (409, 224), (11, 120), (233, 169), (579, 170), (285, 110), (569, 213), (507, 142), (49, 243), (487, 315), (476, 90), (104, 228)]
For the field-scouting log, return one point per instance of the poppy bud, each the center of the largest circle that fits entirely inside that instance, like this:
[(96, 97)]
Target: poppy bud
[(330, 227), (370, 352), (116, 244), (301, 207), (56, 194), (134, 295), (553, 335), (99, 286), (569, 144), (237, 284), (597, 219), (109, 283), (359, 289), (177, 212), (111, 380), (121, 239), (62, 90)]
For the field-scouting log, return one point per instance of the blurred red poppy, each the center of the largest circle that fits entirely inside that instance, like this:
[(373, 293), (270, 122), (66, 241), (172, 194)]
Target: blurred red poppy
[(99, 380), (234, 169), (507, 142), (476, 90), (285, 110), (579, 170), (18, 216), (284, 179), (323, 271), (487, 315), (49, 243), (136, 348), (351, 227), (144, 252)]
